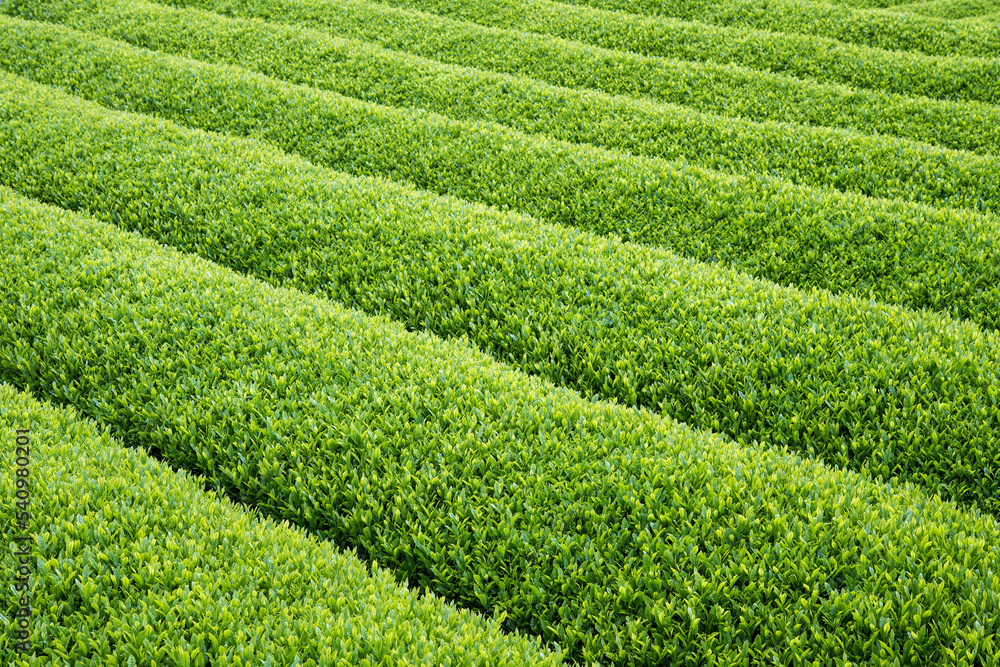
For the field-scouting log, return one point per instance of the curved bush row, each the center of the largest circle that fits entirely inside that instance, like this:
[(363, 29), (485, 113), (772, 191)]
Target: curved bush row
[(876, 166), (695, 212), (884, 30), (804, 56), (625, 537), (986, 20), (856, 382), (761, 225), (886, 5), (133, 562), (890, 5), (725, 89), (951, 9)]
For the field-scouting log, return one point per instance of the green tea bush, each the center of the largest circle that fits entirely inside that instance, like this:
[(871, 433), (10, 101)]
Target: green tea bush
[(877, 166), (856, 382), (623, 536), (951, 9), (889, 5), (726, 89), (804, 56), (758, 224), (133, 562), (884, 30), (991, 20)]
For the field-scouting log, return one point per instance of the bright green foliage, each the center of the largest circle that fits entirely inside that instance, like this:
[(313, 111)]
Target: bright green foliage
[(688, 210), (804, 56), (992, 20), (891, 5), (856, 382), (623, 536), (877, 166), (132, 560), (885, 30), (888, 5), (727, 89), (951, 9)]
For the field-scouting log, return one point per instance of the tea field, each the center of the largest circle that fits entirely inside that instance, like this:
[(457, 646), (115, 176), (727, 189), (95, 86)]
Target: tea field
[(501, 332)]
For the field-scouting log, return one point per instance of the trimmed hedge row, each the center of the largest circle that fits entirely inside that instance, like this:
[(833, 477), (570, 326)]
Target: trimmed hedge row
[(951, 9), (131, 561), (898, 5), (876, 166), (625, 537), (726, 89), (884, 30), (688, 210), (986, 20), (890, 5), (858, 383), (804, 56)]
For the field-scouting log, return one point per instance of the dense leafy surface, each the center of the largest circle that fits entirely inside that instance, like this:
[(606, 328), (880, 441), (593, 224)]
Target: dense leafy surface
[(622, 535), (858, 383), (879, 166), (942, 8), (992, 20), (133, 561), (732, 90), (601, 525), (951, 9), (756, 223), (885, 30), (816, 58)]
